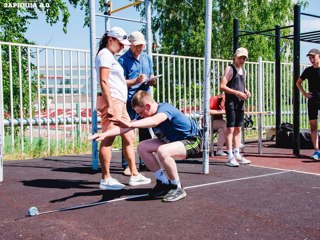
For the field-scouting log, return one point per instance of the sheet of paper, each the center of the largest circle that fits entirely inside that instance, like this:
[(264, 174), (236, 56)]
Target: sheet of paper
[(152, 78)]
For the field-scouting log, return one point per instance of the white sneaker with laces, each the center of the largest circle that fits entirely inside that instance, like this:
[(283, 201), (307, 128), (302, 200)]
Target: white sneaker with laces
[(232, 163), (221, 153), (242, 160), (139, 180), (110, 184)]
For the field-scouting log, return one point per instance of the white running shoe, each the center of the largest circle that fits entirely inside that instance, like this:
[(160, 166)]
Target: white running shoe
[(221, 153), (232, 163), (242, 160), (139, 180), (110, 184)]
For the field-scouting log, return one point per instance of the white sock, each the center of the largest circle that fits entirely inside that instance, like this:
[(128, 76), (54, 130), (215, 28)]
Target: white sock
[(236, 152), (161, 176), (176, 182), (230, 154)]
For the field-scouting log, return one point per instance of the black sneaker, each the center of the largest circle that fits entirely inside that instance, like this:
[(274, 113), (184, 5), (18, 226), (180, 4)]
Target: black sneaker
[(161, 189), (174, 195)]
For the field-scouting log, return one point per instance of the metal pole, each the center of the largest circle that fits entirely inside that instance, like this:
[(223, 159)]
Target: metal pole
[(207, 71), (148, 28), (107, 21), (296, 74), (278, 82), (235, 34), (1, 118), (95, 162), (260, 99)]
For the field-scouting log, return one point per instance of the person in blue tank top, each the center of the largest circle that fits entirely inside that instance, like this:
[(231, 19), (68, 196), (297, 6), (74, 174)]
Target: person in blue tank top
[(177, 138), (233, 84)]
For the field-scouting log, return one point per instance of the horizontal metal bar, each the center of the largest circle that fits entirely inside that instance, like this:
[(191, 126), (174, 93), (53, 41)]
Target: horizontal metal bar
[(44, 121), (45, 47), (310, 15), (253, 33), (119, 18)]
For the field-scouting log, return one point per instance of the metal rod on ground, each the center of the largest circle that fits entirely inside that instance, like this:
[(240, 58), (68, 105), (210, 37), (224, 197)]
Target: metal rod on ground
[(207, 74), (33, 211)]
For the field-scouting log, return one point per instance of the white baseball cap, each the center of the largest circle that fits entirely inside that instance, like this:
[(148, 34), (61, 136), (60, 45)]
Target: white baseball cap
[(119, 34), (241, 52), (136, 38)]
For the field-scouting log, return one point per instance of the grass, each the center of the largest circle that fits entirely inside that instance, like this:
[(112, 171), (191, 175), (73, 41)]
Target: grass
[(40, 147)]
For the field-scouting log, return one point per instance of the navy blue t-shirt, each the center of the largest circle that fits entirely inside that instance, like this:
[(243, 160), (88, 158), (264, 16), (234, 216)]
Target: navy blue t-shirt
[(313, 76), (176, 127)]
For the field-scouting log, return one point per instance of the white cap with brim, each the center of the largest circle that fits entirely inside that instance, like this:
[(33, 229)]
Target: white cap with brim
[(136, 38), (120, 34), (241, 52)]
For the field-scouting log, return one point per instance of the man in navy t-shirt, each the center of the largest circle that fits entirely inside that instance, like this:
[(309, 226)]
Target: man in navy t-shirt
[(177, 138), (313, 95), (136, 65)]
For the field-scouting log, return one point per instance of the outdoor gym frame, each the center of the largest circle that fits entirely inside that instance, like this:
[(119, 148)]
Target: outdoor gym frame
[(311, 37)]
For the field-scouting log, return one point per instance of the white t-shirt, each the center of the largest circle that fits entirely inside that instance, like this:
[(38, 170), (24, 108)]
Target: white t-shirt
[(117, 82)]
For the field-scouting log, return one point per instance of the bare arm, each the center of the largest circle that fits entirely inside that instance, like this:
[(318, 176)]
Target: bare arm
[(226, 77), (217, 112), (105, 88), (301, 89), (110, 133), (124, 126), (142, 123), (140, 79)]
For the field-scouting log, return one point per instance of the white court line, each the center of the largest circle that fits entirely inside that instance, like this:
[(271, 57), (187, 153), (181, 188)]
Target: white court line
[(237, 179), (283, 169)]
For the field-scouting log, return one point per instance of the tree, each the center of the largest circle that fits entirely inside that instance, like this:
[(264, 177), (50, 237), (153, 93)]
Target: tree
[(180, 25), (14, 20)]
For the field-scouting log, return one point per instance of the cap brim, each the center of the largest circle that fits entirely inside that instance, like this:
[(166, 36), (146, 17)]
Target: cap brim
[(242, 55), (138, 43), (312, 54), (125, 42)]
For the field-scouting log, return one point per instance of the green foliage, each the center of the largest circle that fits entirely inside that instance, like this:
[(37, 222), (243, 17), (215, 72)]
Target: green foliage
[(180, 25)]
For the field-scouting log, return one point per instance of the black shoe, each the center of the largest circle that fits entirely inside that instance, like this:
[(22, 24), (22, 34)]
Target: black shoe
[(161, 189), (174, 195), (143, 168)]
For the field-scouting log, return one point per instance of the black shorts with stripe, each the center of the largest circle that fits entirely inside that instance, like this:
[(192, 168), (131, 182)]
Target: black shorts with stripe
[(192, 146)]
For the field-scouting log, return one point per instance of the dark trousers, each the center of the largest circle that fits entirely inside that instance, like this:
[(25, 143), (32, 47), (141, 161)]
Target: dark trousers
[(144, 134)]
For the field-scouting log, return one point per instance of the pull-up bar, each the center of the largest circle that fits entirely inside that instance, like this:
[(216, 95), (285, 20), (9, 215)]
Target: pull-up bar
[(121, 8), (312, 37)]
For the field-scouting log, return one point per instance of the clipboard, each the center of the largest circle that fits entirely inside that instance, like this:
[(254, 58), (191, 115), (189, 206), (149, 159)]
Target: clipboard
[(152, 78)]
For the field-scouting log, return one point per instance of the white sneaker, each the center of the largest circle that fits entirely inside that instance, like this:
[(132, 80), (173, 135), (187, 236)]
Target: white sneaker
[(232, 163), (242, 160), (139, 180), (242, 146), (221, 153), (110, 184)]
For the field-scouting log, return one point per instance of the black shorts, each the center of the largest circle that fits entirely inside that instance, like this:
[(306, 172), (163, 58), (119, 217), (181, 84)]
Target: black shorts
[(234, 113), (192, 146), (313, 107)]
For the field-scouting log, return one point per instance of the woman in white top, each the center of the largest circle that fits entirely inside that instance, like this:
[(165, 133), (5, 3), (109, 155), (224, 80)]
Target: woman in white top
[(111, 103)]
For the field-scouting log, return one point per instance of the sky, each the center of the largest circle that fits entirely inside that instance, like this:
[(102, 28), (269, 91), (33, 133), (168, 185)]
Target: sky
[(78, 36)]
